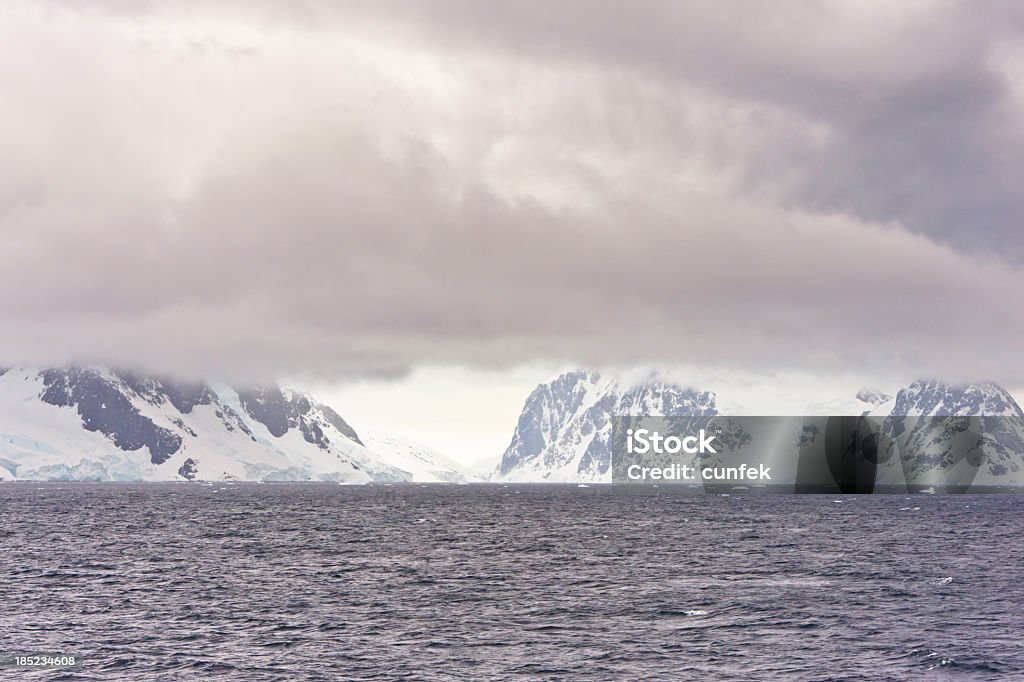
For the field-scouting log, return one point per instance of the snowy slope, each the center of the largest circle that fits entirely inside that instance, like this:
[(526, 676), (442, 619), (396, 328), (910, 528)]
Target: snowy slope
[(484, 468), (422, 464), (93, 423)]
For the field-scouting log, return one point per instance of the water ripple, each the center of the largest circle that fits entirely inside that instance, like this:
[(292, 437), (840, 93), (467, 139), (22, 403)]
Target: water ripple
[(283, 582)]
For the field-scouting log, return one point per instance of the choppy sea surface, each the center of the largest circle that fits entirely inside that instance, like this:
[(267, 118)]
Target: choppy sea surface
[(327, 582)]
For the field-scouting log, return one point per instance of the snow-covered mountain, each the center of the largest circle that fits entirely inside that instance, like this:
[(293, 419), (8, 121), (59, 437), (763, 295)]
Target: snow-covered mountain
[(425, 464), (982, 445), (485, 467), (564, 430), (94, 423)]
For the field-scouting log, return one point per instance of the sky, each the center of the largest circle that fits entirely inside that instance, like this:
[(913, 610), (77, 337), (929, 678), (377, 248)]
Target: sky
[(368, 193), (467, 414)]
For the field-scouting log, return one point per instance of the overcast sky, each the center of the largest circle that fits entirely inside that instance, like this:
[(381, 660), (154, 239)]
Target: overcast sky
[(352, 189)]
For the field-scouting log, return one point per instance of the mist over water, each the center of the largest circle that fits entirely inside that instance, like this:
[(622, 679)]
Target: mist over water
[(279, 581)]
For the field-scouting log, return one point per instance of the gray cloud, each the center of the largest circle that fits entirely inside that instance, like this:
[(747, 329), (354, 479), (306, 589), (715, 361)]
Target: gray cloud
[(923, 121), (250, 191)]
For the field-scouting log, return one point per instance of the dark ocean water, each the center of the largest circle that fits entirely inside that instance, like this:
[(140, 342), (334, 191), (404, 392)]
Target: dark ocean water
[(283, 582)]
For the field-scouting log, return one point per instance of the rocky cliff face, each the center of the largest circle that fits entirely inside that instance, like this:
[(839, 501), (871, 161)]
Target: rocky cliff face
[(95, 423), (564, 430)]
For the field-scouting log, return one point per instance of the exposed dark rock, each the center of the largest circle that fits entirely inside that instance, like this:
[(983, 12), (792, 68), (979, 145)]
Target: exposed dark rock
[(186, 396), (183, 395), (189, 469), (232, 421), (312, 433), (103, 407), (269, 407), (145, 387), (184, 427), (279, 413)]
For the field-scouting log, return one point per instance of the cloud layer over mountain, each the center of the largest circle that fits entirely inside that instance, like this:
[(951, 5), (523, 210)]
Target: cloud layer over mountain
[(267, 187)]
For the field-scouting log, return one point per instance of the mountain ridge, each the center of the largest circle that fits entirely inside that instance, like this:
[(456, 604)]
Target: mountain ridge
[(556, 424), (91, 422)]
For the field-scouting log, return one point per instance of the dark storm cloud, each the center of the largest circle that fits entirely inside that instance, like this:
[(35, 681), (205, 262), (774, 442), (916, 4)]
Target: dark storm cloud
[(259, 188)]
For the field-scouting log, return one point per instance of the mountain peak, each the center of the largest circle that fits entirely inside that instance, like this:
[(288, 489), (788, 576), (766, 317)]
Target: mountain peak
[(937, 398), (565, 427)]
